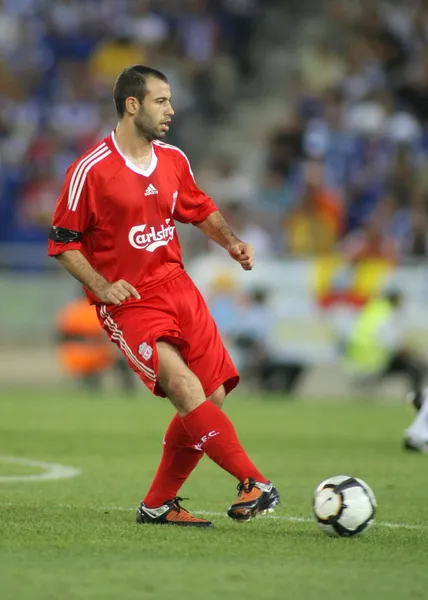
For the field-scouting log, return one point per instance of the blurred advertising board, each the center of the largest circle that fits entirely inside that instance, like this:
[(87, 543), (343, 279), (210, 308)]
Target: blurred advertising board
[(313, 303)]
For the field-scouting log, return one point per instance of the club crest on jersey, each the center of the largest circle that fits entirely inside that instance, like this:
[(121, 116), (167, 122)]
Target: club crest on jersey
[(142, 239)]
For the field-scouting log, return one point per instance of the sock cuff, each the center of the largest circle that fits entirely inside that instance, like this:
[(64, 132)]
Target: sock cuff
[(202, 409)]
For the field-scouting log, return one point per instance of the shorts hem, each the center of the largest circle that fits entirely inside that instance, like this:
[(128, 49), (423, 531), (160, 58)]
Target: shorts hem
[(230, 382)]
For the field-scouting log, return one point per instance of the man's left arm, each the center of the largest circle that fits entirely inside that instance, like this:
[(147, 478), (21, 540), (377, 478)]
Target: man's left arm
[(216, 228)]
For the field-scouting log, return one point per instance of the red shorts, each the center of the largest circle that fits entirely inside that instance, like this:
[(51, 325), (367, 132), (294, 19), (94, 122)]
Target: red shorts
[(176, 312)]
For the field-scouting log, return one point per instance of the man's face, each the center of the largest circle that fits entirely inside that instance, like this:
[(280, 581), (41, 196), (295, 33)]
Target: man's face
[(154, 115)]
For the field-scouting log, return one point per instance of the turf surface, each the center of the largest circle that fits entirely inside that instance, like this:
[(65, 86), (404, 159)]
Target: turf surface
[(76, 538)]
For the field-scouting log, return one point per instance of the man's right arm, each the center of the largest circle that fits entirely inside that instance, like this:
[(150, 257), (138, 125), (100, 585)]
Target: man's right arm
[(75, 213), (110, 293)]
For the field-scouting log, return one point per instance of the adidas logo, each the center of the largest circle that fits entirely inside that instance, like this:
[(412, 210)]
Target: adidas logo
[(150, 190)]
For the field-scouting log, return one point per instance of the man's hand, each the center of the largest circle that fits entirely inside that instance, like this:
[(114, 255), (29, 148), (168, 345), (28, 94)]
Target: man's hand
[(216, 228), (109, 293), (242, 253), (117, 292)]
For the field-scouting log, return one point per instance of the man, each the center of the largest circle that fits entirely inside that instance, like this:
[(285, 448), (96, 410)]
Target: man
[(83, 350), (416, 436), (113, 230), (376, 348)]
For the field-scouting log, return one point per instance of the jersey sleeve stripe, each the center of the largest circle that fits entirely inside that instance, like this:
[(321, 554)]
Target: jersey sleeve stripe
[(78, 171), (163, 145), (117, 336), (89, 166)]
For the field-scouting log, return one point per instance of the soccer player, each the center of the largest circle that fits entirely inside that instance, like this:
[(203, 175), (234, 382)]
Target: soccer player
[(416, 436), (113, 230)]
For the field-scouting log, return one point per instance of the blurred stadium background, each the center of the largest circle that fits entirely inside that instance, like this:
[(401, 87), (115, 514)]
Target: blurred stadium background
[(305, 121)]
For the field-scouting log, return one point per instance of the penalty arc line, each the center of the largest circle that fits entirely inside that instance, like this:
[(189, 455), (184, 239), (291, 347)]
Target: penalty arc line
[(52, 471)]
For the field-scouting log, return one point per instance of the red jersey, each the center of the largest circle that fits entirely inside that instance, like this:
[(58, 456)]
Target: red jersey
[(122, 217)]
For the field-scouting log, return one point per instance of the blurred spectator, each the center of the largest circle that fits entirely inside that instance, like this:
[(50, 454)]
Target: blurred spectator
[(370, 242), (66, 18), (285, 147), (376, 347), (38, 200), (314, 225), (111, 56), (413, 91), (407, 226), (10, 31), (222, 181), (240, 17), (327, 137), (321, 68), (224, 300), (84, 352), (415, 244), (364, 74), (251, 334), (243, 224), (400, 126), (274, 199), (74, 116), (199, 37), (385, 45), (148, 27), (402, 179)]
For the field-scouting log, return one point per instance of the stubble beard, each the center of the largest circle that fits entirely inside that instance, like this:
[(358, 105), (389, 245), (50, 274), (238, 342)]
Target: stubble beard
[(144, 128)]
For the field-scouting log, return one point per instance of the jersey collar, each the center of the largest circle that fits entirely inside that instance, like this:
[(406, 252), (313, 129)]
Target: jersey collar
[(145, 172)]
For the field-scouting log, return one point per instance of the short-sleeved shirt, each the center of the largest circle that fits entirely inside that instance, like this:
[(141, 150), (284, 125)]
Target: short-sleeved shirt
[(122, 217)]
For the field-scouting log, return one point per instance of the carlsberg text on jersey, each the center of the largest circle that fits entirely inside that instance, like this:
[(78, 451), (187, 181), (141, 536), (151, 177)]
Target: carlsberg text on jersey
[(153, 238)]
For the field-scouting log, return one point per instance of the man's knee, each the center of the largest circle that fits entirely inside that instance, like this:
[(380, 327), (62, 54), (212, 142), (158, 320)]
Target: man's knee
[(218, 397)]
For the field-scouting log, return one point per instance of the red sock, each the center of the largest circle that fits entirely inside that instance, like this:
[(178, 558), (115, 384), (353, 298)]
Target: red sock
[(179, 458), (214, 433)]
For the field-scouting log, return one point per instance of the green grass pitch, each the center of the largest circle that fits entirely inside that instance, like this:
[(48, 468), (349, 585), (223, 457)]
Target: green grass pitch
[(77, 538)]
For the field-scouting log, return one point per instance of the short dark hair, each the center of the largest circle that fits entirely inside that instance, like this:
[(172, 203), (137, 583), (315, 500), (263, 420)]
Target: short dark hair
[(132, 81)]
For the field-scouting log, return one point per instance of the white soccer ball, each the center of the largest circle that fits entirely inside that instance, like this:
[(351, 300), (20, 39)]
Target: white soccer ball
[(344, 506)]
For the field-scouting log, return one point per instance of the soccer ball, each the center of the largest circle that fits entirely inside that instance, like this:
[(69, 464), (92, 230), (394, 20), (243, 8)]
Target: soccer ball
[(344, 506)]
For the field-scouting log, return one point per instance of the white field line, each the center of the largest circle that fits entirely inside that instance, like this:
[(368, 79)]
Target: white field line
[(291, 519), (51, 470), (207, 513)]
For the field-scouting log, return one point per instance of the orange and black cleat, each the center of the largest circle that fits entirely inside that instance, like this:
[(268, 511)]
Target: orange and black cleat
[(254, 499), (170, 513)]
